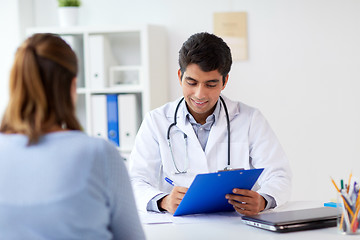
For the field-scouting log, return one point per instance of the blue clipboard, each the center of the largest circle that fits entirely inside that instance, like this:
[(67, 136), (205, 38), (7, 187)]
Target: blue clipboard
[(207, 192)]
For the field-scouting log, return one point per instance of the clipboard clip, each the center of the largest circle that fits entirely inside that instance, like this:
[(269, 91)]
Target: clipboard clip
[(230, 169)]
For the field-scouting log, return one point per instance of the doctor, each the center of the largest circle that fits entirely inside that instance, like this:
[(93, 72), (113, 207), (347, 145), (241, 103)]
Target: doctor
[(198, 133)]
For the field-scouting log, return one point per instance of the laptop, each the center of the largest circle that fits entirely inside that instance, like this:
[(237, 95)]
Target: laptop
[(296, 220)]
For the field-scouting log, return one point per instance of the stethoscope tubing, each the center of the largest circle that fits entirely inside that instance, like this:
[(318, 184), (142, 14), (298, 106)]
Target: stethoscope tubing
[(228, 129), (185, 136), (175, 120)]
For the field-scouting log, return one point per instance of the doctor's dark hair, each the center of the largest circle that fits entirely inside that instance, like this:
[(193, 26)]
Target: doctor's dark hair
[(208, 51), (40, 88)]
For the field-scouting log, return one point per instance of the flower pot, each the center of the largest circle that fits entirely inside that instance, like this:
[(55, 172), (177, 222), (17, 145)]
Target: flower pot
[(68, 16)]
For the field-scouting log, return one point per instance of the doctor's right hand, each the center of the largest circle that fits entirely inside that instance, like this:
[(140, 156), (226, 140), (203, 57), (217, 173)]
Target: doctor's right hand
[(171, 202)]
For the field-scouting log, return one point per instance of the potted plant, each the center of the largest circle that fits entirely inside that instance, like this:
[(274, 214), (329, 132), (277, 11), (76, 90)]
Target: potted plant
[(68, 12)]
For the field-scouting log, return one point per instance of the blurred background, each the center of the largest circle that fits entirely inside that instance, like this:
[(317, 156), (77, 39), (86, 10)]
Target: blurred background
[(302, 71)]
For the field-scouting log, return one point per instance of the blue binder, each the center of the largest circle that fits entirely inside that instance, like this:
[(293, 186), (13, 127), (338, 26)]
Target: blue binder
[(207, 192), (113, 118)]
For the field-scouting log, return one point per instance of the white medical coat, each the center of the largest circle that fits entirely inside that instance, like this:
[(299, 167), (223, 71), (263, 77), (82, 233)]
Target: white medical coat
[(253, 145)]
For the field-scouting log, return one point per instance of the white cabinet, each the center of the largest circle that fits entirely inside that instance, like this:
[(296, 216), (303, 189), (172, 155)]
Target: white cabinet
[(121, 61)]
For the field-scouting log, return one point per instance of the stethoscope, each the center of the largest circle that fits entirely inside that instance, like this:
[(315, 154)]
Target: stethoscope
[(185, 139)]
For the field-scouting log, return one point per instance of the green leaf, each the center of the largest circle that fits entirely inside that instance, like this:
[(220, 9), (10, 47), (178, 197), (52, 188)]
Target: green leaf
[(69, 3)]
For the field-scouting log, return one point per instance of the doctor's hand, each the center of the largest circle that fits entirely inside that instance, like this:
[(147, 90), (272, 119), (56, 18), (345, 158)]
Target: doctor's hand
[(171, 202), (246, 202)]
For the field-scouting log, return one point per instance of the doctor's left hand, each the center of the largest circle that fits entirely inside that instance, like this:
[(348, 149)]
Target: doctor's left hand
[(246, 202), (171, 202)]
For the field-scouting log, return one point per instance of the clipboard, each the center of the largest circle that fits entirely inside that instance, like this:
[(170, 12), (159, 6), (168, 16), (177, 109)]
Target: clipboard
[(207, 192)]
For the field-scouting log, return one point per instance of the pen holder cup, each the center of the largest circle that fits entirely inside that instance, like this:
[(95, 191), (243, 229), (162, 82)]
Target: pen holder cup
[(348, 220)]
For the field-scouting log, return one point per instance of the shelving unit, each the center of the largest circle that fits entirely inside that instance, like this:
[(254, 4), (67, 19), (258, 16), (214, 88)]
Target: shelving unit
[(117, 60)]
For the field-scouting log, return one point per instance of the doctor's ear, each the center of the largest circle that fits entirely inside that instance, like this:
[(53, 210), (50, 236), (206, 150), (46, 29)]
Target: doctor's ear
[(180, 75), (225, 81)]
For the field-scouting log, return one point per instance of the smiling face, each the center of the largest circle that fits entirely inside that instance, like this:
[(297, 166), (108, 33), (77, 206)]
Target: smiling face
[(201, 90)]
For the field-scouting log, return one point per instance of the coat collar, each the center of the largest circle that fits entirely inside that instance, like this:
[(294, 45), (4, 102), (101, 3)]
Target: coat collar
[(217, 129), (232, 107)]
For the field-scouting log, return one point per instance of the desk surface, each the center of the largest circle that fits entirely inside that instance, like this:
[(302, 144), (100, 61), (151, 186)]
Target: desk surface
[(234, 228)]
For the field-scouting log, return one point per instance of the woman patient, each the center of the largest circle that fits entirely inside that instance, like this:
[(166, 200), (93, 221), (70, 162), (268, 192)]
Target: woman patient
[(55, 181)]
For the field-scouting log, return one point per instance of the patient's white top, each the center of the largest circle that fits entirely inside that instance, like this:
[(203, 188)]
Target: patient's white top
[(68, 186)]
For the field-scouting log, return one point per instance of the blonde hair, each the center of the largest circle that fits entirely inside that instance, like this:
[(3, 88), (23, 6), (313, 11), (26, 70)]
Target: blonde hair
[(40, 87)]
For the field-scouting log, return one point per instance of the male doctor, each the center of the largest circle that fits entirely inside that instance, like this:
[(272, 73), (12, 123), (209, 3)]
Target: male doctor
[(199, 138)]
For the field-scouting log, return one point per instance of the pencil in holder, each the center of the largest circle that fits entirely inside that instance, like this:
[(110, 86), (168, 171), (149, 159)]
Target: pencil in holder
[(348, 220)]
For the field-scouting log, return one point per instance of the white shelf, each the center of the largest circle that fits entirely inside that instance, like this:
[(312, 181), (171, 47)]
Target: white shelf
[(81, 90), (126, 88), (125, 68), (73, 30), (129, 60)]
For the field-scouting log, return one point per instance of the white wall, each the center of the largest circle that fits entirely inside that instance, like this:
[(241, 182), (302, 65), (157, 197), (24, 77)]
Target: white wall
[(8, 43), (15, 16), (303, 71)]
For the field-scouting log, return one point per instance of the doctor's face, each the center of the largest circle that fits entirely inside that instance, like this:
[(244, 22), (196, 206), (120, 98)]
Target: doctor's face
[(201, 90)]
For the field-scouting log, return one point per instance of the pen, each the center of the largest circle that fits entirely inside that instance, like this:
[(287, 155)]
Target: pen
[(346, 205), (347, 200), (348, 187), (169, 181), (332, 180), (354, 223)]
